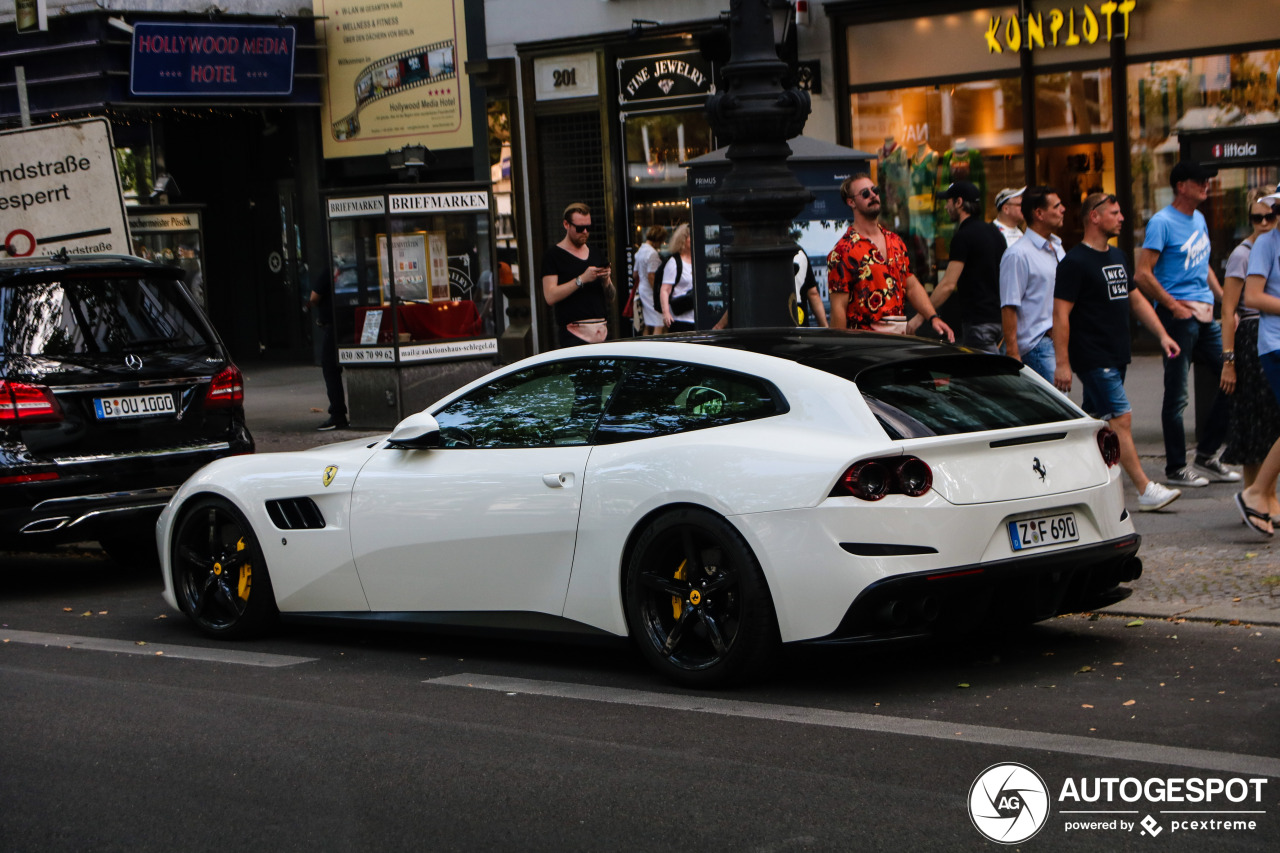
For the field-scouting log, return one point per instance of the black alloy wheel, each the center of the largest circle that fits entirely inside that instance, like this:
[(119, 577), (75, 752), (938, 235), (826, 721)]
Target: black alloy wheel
[(219, 575), (697, 602)]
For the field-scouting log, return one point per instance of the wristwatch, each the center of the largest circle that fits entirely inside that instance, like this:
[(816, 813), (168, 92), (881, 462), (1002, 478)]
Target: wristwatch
[(1228, 356), (578, 281)]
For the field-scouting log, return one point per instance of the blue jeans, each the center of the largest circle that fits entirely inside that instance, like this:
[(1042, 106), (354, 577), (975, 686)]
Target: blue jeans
[(1104, 395), (1041, 358), (1202, 344)]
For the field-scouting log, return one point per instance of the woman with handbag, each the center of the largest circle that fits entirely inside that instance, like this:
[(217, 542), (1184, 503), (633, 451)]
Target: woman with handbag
[(676, 294)]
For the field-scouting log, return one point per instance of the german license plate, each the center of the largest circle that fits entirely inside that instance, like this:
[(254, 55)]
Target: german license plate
[(1045, 530), (141, 406)]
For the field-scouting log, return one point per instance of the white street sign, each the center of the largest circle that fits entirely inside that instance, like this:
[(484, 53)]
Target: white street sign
[(59, 188)]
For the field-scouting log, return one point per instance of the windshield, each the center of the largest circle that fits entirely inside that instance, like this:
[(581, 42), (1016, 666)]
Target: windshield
[(97, 315), (957, 395)]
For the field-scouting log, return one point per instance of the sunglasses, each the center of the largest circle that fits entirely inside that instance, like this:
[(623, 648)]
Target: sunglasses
[(1259, 218), (581, 229), (867, 193), (1106, 199)]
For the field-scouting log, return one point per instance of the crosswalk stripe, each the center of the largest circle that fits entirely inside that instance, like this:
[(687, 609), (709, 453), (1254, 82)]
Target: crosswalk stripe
[(1204, 759), (132, 647)]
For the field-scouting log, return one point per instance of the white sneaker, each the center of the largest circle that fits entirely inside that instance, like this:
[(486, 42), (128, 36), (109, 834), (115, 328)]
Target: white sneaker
[(1157, 497), (1187, 477)]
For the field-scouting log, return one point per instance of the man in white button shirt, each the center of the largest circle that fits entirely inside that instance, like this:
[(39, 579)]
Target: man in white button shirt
[(1027, 273), (1009, 218)]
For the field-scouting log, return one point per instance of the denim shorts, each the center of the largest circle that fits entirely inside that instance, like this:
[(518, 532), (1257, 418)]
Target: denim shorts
[(1104, 395), (1270, 362)]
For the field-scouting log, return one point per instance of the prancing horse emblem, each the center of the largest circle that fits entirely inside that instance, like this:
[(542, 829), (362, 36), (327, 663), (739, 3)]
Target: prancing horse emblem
[(1038, 467), (332, 471)]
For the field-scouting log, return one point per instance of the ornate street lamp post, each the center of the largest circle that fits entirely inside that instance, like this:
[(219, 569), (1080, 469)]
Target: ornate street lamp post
[(760, 196)]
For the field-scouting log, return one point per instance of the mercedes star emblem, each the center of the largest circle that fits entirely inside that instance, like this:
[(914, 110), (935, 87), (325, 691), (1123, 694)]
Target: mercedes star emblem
[(133, 362)]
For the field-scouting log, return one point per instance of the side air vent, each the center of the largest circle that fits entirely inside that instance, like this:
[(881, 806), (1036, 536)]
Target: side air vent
[(295, 514)]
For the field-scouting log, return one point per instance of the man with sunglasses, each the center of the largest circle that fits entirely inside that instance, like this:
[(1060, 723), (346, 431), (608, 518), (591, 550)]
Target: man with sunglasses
[(575, 279), (1173, 272), (868, 273)]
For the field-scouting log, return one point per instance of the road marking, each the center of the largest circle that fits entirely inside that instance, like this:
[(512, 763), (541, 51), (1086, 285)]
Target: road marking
[(1204, 759), (129, 647)]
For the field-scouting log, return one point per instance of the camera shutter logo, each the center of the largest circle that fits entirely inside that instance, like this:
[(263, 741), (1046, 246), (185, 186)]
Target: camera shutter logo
[(1008, 803)]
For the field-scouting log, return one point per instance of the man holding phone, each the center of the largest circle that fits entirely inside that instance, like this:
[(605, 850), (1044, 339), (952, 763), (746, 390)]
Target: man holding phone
[(575, 279)]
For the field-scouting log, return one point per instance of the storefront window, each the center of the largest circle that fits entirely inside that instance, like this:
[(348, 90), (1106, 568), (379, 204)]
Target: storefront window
[(1073, 103), (928, 136), (1167, 97), (657, 145)]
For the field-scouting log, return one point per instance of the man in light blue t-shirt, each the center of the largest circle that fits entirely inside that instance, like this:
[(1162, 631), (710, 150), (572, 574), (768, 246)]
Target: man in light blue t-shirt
[(1173, 272)]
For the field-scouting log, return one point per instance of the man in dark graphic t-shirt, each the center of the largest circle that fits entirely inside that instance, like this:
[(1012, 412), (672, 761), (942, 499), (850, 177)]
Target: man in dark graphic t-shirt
[(575, 279), (1092, 298)]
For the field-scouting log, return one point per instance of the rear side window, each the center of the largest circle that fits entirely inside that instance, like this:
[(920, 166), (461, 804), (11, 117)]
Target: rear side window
[(950, 396), (661, 398), (97, 315)]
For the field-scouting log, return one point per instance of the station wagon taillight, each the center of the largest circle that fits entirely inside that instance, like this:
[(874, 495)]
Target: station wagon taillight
[(27, 404), (872, 479), (1109, 446), (226, 389)]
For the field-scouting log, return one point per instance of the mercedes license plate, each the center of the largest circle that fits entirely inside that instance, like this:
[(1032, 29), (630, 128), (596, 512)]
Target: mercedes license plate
[(143, 405), (1045, 530)]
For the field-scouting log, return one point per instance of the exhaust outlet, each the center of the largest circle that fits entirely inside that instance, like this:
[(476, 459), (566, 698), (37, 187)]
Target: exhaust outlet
[(927, 608), (46, 525), (893, 612)]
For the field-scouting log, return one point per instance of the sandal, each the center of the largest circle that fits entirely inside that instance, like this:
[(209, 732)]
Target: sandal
[(1252, 516)]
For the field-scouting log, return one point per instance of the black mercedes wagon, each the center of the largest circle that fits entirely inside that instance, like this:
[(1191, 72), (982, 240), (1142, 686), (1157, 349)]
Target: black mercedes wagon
[(114, 388)]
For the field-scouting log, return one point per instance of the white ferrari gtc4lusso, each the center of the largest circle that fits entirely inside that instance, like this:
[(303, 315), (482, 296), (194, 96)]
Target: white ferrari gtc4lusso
[(712, 496)]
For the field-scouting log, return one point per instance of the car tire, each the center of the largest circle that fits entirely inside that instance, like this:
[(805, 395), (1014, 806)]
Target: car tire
[(697, 603), (219, 574), (134, 554)]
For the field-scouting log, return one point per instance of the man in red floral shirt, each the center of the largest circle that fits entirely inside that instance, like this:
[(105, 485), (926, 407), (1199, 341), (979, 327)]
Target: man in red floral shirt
[(868, 274)]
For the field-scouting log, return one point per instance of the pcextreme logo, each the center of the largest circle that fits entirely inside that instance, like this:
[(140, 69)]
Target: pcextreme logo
[(1009, 803)]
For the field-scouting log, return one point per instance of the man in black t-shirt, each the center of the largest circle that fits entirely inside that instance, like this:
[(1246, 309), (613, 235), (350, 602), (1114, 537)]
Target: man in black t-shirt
[(575, 279), (1092, 297), (973, 270)]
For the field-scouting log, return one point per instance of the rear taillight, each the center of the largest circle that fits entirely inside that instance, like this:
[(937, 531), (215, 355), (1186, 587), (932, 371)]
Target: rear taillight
[(27, 404), (1109, 446), (872, 479), (226, 389)]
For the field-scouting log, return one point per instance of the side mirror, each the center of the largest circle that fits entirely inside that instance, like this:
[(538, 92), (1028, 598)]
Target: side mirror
[(416, 432)]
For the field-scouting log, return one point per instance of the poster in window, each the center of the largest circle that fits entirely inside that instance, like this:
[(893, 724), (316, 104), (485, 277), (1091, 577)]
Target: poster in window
[(438, 251), (409, 263)]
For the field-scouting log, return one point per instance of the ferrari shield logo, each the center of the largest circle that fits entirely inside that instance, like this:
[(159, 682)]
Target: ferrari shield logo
[(329, 474)]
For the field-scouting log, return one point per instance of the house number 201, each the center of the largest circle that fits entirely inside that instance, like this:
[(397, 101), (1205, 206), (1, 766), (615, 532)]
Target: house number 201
[(565, 77)]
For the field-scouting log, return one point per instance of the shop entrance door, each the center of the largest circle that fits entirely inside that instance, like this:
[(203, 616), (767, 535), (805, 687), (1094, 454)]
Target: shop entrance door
[(276, 257), (1076, 170)]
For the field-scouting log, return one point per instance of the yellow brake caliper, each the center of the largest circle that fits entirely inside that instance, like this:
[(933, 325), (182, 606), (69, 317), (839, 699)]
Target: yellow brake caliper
[(246, 575), (676, 604)]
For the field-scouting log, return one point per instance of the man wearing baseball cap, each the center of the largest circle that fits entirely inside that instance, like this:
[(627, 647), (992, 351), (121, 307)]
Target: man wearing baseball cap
[(1173, 272), (973, 270), (1009, 217)]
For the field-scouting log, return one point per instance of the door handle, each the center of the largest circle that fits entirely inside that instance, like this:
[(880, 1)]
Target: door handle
[(558, 481)]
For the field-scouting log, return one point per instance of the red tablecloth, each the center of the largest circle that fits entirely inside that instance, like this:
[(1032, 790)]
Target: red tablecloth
[(425, 321)]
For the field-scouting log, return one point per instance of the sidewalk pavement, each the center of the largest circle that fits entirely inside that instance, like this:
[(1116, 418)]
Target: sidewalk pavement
[(1200, 561)]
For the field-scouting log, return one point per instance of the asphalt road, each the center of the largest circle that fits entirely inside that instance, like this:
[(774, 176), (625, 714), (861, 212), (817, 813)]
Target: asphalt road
[(121, 728)]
